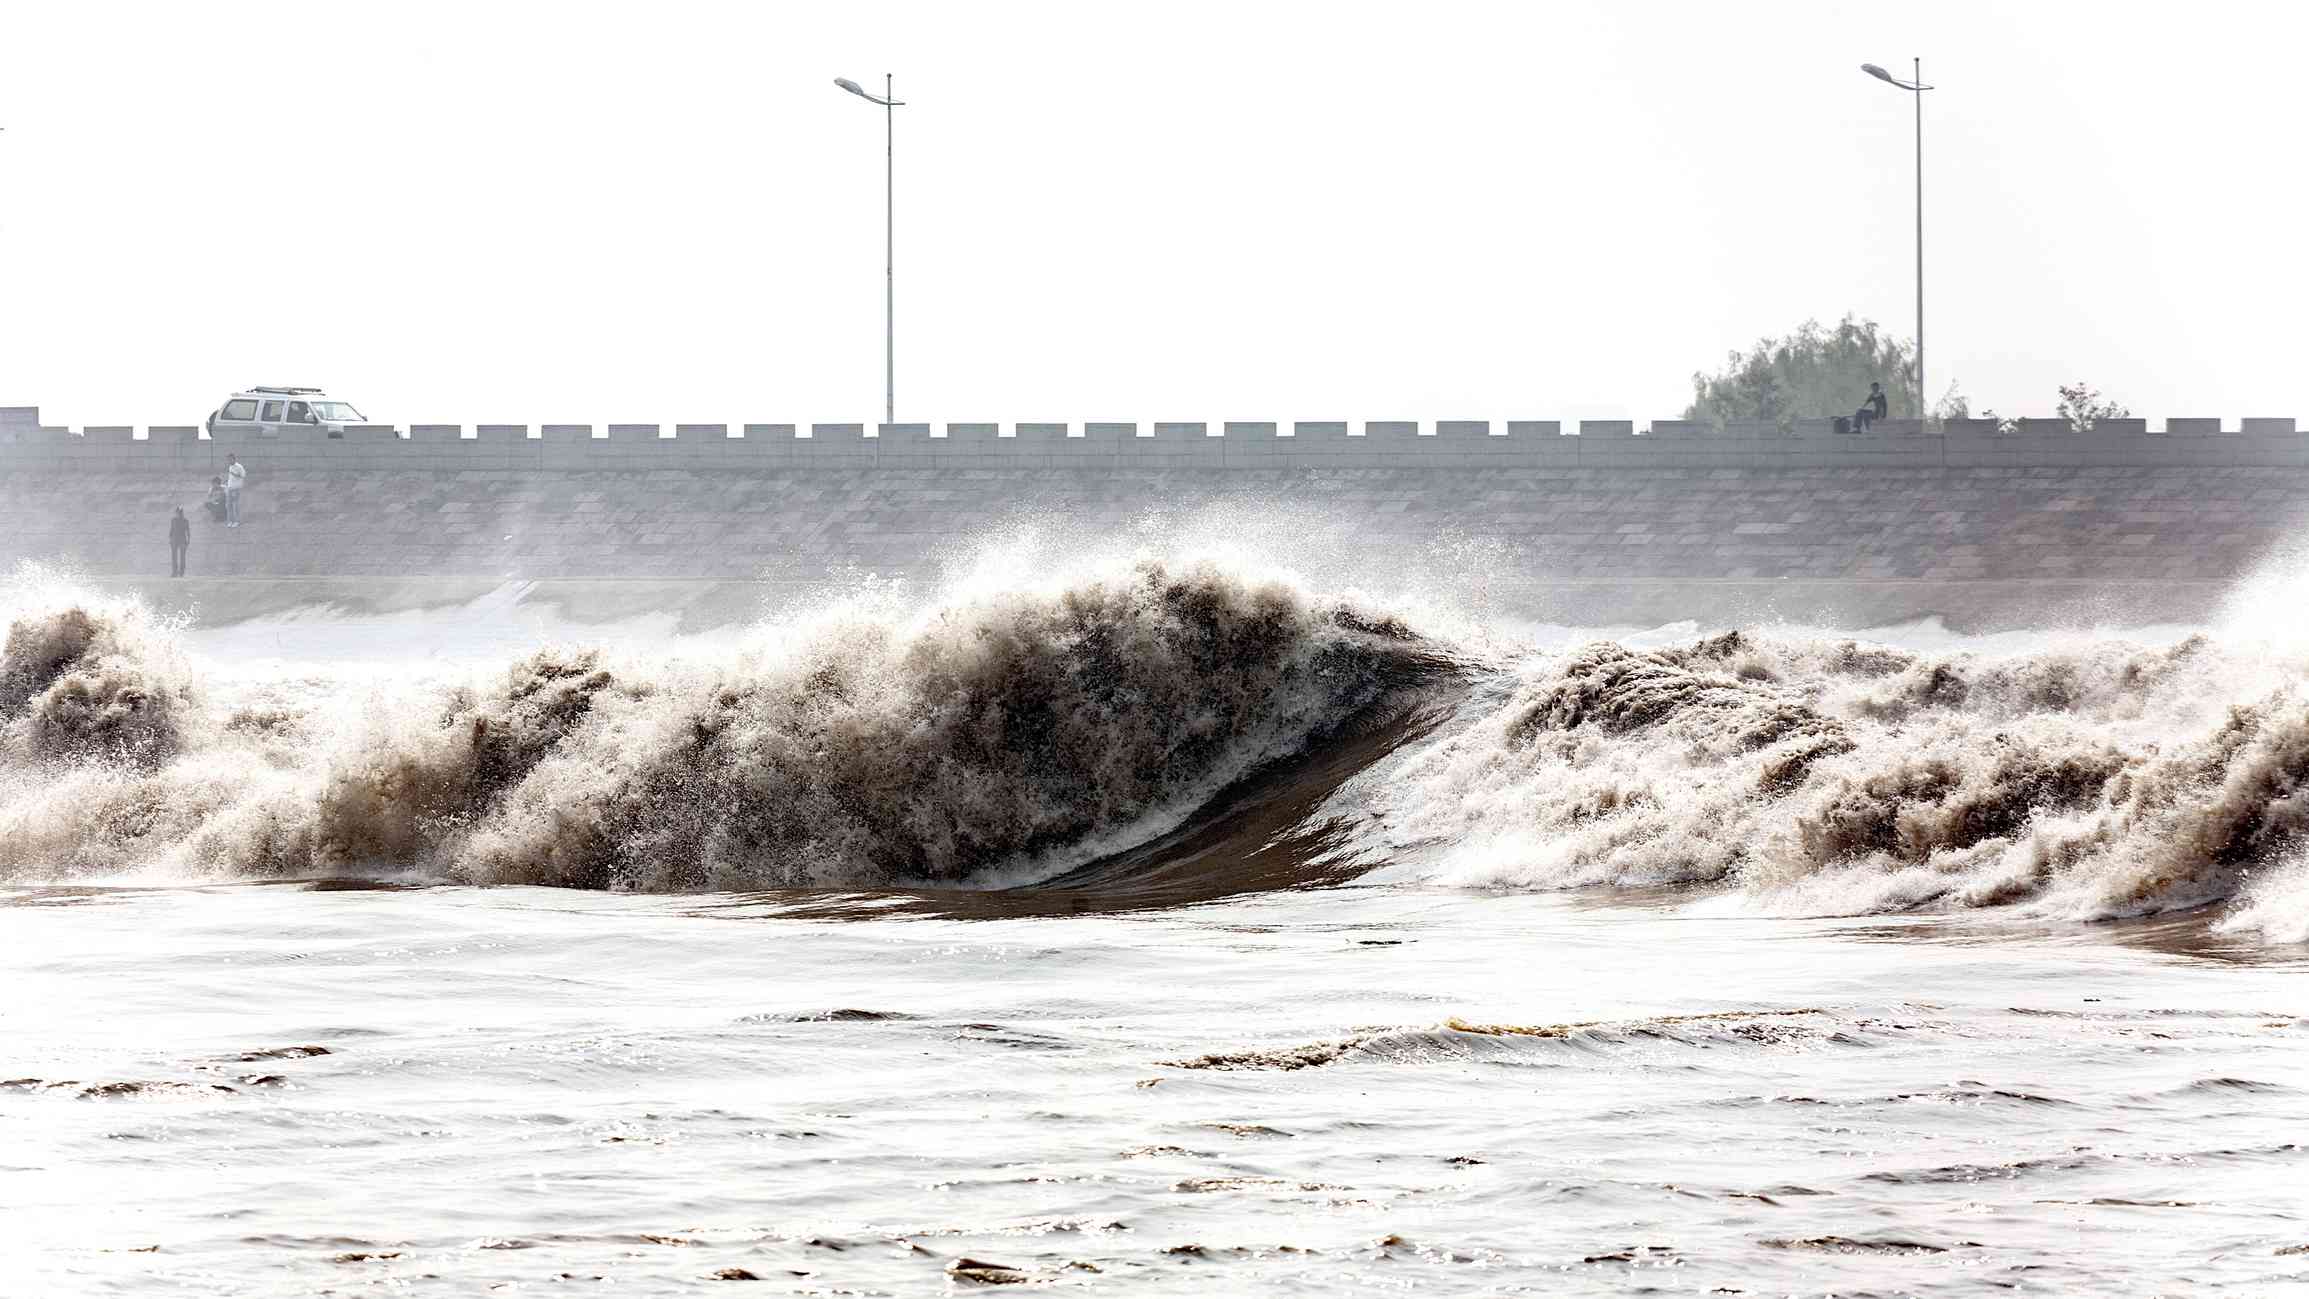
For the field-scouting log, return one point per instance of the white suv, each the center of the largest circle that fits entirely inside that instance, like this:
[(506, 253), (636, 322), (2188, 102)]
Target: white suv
[(264, 412)]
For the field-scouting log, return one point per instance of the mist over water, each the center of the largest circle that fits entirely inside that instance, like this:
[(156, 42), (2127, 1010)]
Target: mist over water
[(1208, 910)]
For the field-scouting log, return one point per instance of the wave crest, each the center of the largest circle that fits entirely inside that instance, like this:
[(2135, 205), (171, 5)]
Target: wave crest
[(1827, 776), (1010, 734), (80, 681)]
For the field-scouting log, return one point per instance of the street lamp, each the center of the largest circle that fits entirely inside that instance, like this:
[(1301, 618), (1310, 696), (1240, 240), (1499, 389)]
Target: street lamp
[(889, 240), (1916, 87)]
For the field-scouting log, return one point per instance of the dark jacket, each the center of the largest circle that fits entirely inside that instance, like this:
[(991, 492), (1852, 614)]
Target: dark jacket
[(1879, 403), (180, 531)]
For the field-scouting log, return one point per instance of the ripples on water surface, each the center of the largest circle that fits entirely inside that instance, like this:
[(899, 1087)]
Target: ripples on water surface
[(522, 1086), (1342, 955)]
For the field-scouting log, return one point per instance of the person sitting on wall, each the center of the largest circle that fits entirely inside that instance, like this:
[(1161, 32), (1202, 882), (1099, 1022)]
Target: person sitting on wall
[(215, 502), (1870, 410)]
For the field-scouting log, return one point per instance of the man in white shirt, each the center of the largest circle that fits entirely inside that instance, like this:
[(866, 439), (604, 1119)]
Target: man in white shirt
[(235, 478)]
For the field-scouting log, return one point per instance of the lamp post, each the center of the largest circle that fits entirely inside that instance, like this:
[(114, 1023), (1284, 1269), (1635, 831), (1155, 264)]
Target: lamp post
[(889, 239), (1915, 86)]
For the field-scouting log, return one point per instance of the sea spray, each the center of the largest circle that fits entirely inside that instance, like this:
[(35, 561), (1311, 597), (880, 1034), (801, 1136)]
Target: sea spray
[(1825, 775), (2274, 903), (1008, 729), (89, 678), (1007, 732)]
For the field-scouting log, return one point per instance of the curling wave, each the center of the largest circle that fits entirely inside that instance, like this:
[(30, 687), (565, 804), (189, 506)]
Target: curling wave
[(1150, 732), (997, 739)]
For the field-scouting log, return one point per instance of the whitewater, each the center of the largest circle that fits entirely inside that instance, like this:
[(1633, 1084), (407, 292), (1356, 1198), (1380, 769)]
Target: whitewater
[(1174, 918)]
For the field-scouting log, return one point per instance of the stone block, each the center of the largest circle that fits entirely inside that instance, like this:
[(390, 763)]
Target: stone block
[(586, 451), (974, 434), (1607, 428), (2192, 427), (501, 432), (1042, 432), (2127, 427), (634, 432), (2265, 425), (760, 445), (177, 434), (436, 432), (1534, 428), (566, 432), (1173, 444), (1248, 428), (1320, 428), (108, 434), (1681, 428), (1463, 430), (1099, 443), (2046, 427), (703, 432), (1397, 431), (835, 446), (908, 443)]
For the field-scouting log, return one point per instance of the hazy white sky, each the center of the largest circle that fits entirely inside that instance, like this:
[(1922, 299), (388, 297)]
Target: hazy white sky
[(570, 212)]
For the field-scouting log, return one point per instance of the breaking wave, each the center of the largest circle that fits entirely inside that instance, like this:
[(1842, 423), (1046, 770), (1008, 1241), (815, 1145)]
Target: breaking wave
[(1820, 775), (1139, 719), (96, 680), (1011, 735)]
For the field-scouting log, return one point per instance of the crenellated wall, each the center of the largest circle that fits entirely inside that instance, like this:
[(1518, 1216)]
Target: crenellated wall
[(1249, 444), (1601, 522)]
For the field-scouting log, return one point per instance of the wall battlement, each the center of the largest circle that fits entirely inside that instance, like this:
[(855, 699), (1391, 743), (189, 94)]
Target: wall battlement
[(2119, 523), (27, 444)]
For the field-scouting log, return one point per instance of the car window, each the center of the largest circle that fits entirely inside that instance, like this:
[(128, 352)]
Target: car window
[(239, 409), (338, 410), (300, 413), (272, 412)]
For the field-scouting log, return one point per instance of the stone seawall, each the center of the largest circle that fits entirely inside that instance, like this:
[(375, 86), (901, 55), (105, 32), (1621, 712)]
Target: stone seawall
[(1098, 447), (2157, 541), (1594, 524)]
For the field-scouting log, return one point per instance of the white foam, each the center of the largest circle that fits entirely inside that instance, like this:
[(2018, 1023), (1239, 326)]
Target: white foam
[(2275, 904), (1021, 722), (2077, 777)]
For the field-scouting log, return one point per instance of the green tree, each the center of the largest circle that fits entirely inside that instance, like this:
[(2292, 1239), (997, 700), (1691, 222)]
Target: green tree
[(2082, 406), (1813, 372)]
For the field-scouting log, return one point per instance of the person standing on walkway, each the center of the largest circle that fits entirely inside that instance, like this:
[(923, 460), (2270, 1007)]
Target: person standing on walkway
[(235, 478), (179, 541)]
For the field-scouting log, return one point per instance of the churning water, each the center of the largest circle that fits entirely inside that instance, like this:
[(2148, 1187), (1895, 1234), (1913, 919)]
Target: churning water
[(1173, 924)]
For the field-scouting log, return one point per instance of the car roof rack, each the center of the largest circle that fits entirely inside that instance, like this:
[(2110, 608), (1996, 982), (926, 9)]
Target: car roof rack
[(262, 388)]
